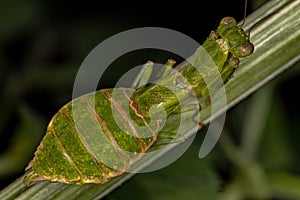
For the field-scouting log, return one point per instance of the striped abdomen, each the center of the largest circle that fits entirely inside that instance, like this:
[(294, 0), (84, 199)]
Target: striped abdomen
[(86, 141)]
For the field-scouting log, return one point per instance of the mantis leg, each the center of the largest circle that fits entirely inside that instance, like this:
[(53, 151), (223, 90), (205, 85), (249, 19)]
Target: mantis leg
[(166, 70), (165, 138), (143, 76)]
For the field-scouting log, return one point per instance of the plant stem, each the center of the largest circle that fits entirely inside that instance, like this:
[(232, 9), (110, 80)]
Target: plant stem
[(277, 47)]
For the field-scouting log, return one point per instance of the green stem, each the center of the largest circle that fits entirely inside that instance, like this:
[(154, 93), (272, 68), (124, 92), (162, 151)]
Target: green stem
[(277, 47)]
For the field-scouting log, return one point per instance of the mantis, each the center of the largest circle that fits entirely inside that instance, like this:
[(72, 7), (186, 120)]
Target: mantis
[(118, 126)]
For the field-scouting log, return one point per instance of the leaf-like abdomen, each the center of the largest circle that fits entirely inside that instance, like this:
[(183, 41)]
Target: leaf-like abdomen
[(84, 143)]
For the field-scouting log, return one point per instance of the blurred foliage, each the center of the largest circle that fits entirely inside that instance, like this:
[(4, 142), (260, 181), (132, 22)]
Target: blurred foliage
[(42, 46), (187, 178)]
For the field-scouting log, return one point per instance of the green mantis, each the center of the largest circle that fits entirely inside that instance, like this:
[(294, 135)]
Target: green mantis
[(117, 126)]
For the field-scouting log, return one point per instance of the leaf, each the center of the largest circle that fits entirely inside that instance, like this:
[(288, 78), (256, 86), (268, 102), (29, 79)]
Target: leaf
[(277, 41), (286, 185), (188, 178)]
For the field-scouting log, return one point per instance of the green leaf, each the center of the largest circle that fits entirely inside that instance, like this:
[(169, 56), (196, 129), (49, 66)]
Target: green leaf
[(276, 40), (186, 178), (286, 185)]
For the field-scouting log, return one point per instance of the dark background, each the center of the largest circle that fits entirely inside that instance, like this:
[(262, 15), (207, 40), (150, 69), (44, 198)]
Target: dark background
[(42, 45)]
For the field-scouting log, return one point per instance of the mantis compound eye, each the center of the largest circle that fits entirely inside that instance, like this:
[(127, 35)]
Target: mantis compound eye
[(228, 21), (243, 50)]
